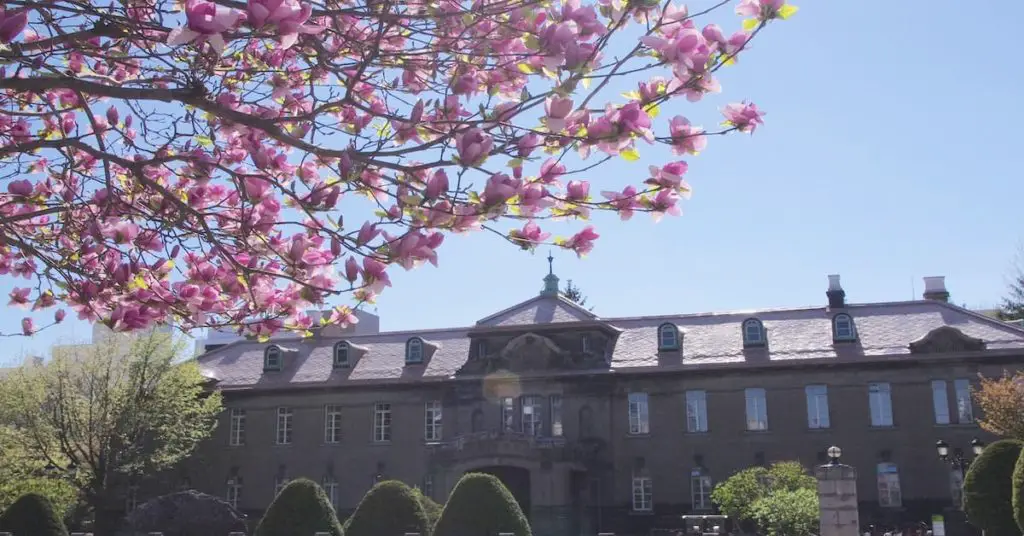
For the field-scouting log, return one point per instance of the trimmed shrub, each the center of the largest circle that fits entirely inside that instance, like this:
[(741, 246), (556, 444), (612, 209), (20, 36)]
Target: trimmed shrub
[(480, 505), (1018, 491), (989, 490), (430, 507), (32, 515), (301, 509), (186, 513), (390, 508)]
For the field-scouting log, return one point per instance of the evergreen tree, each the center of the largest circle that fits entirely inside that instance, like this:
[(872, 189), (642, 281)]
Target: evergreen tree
[(574, 294), (301, 509)]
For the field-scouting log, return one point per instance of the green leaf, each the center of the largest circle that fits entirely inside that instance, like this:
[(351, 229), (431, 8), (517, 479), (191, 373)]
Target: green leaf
[(630, 155), (750, 24), (204, 141), (787, 11), (525, 68)]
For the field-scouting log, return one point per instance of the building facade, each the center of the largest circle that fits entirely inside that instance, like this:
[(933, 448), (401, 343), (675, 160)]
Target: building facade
[(611, 424)]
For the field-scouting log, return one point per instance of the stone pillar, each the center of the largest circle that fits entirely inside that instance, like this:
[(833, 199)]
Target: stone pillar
[(837, 497)]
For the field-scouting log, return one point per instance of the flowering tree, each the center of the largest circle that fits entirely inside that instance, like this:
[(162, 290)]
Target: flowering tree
[(190, 162)]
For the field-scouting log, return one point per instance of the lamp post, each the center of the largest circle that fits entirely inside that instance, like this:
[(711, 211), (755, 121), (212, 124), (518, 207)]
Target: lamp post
[(834, 453), (957, 460)]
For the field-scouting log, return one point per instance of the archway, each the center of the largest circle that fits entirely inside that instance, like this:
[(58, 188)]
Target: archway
[(516, 479)]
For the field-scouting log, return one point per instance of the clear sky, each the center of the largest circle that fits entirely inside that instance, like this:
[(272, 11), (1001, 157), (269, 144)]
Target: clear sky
[(891, 151)]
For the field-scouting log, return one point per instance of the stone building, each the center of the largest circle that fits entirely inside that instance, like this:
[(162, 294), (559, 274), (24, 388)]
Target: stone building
[(611, 424)]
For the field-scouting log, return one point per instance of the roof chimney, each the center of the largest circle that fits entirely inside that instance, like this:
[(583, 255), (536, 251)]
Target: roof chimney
[(935, 288), (835, 293)]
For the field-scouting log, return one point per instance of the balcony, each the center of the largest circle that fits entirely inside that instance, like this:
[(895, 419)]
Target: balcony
[(494, 444)]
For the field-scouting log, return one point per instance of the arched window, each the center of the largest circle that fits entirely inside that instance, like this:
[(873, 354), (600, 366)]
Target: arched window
[(414, 351), (753, 332), (842, 328), (668, 337), (272, 358), (341, 354)]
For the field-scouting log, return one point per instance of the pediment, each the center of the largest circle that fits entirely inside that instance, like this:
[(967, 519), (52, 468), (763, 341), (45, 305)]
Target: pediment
[(531, 346), (946, 339)]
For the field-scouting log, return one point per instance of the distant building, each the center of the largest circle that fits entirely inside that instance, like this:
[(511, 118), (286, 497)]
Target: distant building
[(369, 324), (612, 424)]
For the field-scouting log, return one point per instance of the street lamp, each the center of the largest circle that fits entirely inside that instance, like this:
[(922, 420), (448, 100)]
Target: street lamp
[(958, 460), (834, 453)]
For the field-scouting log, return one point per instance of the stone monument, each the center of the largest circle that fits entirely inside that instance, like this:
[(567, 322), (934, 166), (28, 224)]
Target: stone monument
[(837, 497)]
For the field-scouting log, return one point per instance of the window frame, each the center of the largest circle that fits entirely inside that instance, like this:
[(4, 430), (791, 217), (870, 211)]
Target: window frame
[(329, 483), (417, 343), (555, 415), (236, 427), (700, 477), (962, 393), (332, 424), (585, 343), (818, 394), (848, 320), (381, 431), (535, 403), (700, 398), (481, 348), (433, 413), (285, 426), (345, 348), (234, 492), (888, 405), (273, 351), (759, 408), (940, 402), (639, 413), (762, 336), (674, 344), (886, 485), (280, 481), (642, 487), (508, 414)]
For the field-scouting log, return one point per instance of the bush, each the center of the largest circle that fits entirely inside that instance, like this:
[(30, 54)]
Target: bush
[(389, 509), (186, 513), (32, 515), (301, 509), (1018, 491), (480, 505), (430, 507), (989, 490)]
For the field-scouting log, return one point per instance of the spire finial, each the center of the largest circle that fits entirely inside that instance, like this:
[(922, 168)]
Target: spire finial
[(550, 280), (551, 264)]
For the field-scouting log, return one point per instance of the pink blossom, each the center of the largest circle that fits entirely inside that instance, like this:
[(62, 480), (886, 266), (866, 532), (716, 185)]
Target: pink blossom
[(625, 203), (21, 187), (577, 190), (367, 233), (669, 176), (289, 16), (743, 116), (19, 297), (760, 9), (46, 299), (527, 144), (582, 242), (474, 145), (352, 269), (342, 317), (529, 236), (665, 202), (500, 188), (58, 316), (12, 23), (686, 138), (556, 109), (206, 21), (375, 276), (437, 185), (27, 328)]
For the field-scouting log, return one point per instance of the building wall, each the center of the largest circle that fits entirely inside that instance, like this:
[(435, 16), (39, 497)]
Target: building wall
[(669, 452)]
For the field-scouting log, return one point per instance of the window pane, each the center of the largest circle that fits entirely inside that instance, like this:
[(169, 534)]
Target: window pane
[(382, 422), (880, 404), (531, 415), (964, 409), (696, 411), (639, 422), (940, 402), (508, 413), (817, 406), (432, 421), (332, 423), (556, 415), (889, 485), (757, 409)]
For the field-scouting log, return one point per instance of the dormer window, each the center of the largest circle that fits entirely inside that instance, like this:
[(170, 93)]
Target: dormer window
[(843, 329), (272, 358), (341, 354), (585, 343), (414, 351), (753, 332), (481, 349), (668, 337)]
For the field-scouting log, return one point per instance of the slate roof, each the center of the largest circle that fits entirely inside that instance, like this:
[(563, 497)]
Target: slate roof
[(884, 331)]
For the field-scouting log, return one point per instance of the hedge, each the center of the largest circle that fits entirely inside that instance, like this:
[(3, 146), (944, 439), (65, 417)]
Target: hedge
[(989, 489), (480, 505), (390, 508), (32, 515), (301, 509)]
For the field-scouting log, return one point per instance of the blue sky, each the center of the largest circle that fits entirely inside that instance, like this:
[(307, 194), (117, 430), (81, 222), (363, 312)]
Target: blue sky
[(890, 152)]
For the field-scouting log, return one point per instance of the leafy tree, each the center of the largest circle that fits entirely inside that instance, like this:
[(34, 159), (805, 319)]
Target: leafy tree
[(390, 508), (574, 294), (988, 488), (738, 496), (301, 509), (186, 161), (1002, 405), (788, 512), (103, 414), (480, 505), (32, 515), (22, 473)]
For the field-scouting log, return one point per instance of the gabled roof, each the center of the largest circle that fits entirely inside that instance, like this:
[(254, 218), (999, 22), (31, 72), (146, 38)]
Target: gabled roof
[(543, 309), (884, 332)]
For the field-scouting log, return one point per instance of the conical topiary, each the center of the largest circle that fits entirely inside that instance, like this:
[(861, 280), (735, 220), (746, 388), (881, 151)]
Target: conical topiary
[(988, 489), (430, 507), (389, 509), (32, 515), (301, 509), (480, 505)]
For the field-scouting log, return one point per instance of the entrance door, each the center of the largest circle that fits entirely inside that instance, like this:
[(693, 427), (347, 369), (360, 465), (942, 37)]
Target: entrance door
[(516, 479)]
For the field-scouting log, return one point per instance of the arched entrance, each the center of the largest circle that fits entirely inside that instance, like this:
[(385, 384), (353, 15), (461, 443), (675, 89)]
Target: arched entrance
[(516, 479)]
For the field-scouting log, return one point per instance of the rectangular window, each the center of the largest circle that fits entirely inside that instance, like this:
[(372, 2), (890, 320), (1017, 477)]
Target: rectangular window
[(531, 415), (889, 494), (236, 435), (696, 411), (556, 415), (639, 417), (940, 401), (508, 413), (880, 404), (817, 406), (280, 482), (330, 485), (757, 409), (432, 424), (643, 499), (332, 423), (964, 409), (284, 426), (381, 422), (234, 495), (700, 490)]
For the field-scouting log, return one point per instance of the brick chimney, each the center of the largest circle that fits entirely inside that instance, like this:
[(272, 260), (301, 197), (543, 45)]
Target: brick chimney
[(835, 293), (935, 288)]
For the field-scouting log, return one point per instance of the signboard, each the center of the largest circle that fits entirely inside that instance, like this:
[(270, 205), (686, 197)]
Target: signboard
[(938, 526)]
